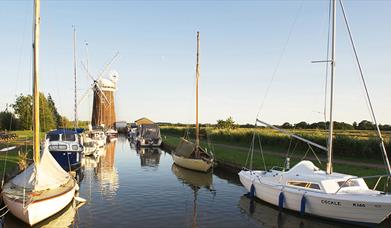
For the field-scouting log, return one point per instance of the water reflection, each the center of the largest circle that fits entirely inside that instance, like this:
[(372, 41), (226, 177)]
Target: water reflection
[(269, 216), (149, 156), (196, 181), (165, 196), (107, 173)]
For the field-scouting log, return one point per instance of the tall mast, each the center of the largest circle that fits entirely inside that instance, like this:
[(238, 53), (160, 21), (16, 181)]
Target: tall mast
[(329, 167), (74, 75), (36, 128), (197, 78)]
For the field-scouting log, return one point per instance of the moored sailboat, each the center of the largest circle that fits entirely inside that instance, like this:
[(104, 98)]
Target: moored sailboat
[(44, 188), (191, 155), (309, 190)]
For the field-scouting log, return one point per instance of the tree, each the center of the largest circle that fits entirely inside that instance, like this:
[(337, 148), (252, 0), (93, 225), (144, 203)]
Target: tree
[(365, 125), (287, 125), (23, 110), (229, 123), (8, 121), (302, 125), (57, 117), (46, 115)]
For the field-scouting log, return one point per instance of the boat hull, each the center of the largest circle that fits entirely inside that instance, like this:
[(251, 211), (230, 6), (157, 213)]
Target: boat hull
[(90, 151), (38, 211), (68, 160), (340, 207), (193, 164)]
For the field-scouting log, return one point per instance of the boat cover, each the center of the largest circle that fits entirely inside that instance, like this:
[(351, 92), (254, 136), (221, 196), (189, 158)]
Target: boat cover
[(48, 175), (185, 148), (63, 131), (150, 131)]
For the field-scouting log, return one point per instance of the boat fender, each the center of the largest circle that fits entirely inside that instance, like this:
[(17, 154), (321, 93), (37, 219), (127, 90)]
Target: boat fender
[(252, 191), (302, 205), (281, 200), (79, 199)]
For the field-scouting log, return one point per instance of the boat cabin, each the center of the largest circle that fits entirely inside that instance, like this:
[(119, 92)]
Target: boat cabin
[(65, 146), (306, 176)]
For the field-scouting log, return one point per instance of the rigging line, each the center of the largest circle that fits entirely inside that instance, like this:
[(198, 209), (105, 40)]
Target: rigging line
[(327, 69), (261, 149), (317, 158), (250, 149), (280, 57), (22, 44), (382, 147)]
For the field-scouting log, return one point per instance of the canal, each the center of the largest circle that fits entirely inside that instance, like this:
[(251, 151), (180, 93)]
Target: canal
[(125, 187)]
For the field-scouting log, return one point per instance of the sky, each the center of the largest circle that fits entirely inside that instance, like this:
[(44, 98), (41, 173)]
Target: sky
[(255, 57)]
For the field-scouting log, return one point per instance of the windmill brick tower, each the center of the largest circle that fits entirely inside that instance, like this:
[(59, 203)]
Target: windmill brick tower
[(103, 88), (103, 109)]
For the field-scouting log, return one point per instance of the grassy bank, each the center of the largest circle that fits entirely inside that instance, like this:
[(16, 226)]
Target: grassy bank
[(9, 160), (237, 158), (352, 144)]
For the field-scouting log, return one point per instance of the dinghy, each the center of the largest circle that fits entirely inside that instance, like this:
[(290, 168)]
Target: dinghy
[(43, 188), (190, 155), (309, 190)]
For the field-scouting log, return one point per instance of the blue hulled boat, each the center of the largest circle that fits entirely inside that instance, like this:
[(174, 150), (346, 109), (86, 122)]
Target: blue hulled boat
[(66, 147)]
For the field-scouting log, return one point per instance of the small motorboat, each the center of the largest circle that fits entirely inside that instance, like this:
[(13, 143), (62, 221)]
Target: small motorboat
[(65, 146)]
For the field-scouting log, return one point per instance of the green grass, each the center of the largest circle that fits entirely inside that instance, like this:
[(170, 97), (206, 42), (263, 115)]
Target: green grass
[(23, 143), (238, 158), (351, 144)]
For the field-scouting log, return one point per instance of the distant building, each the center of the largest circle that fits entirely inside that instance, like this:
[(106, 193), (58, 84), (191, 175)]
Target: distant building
[(143, 121), (103, 110)]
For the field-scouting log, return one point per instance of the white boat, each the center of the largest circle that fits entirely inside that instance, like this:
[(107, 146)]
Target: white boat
[(43, 188), (112, 135), (36, 194), (148, 135), (99, 137), (90, 146), (191, 155), (184, 156), (308, 190)]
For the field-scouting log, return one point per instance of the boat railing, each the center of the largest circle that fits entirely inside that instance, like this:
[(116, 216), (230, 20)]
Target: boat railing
[(379, 177), (277, 168)]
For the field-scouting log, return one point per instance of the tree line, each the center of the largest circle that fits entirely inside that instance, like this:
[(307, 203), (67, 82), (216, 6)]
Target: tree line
[(21, 117), (229, 123)]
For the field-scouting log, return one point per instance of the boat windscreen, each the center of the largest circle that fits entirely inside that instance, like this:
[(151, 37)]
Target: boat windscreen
[(69, 137), (53, 137), (349, 183), (184, 148), (150, 131)]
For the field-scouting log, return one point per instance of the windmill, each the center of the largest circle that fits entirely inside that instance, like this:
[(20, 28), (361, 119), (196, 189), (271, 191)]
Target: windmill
[(103, 88)]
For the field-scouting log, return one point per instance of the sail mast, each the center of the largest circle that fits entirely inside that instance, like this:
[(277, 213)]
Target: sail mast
[(75, 75), (36, 128), (329, 167), (197, 78)]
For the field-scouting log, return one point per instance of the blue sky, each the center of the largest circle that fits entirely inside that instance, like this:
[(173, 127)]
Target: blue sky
[(243, 44)]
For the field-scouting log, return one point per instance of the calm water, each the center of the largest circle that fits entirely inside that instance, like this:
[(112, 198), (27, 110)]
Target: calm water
[(125, 187)]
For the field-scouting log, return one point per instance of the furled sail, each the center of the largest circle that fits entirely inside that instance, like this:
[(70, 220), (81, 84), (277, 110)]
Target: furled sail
[(49, 174)]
